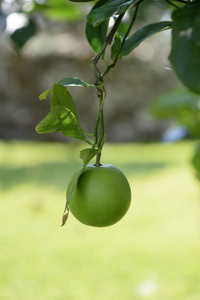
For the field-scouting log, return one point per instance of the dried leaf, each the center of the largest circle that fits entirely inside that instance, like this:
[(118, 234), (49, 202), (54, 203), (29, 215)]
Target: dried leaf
[(65, 217)]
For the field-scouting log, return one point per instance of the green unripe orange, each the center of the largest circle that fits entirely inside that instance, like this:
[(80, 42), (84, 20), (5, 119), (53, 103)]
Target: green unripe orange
[(101, 196)]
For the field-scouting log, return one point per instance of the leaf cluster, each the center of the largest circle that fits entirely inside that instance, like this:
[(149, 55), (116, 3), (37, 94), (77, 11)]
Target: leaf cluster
[(185, 45), (184, 57), (63, 115), (185, 24)]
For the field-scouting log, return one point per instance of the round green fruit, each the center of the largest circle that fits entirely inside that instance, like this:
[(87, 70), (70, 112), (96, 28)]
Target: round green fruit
[(101, 196)]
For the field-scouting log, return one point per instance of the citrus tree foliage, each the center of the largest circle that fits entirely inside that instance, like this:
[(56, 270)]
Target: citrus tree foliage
[(184, 57), (184, 22), (116, 42)]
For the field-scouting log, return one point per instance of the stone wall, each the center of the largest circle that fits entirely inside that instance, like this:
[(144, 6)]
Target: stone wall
[(131, 86)]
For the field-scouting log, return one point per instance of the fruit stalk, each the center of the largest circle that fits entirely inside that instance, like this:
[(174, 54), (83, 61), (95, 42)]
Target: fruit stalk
[(98, 157)]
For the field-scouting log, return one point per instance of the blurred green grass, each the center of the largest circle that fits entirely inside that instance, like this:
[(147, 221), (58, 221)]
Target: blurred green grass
[(152, 253)]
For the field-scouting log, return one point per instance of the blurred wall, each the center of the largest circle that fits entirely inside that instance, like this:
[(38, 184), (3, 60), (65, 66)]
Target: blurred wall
[(51, 56)]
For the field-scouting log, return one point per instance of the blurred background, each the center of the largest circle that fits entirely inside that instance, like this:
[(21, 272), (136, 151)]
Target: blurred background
[(154, 251), (44, 41)]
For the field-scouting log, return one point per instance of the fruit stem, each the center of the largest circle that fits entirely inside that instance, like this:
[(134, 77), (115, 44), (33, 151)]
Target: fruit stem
[(98, 157)]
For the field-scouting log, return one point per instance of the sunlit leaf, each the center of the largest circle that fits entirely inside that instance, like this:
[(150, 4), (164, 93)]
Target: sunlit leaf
[(63, 116), (87, 155), (63, 120), (68, 81), (62, 98), (44, 95), (74, 81)]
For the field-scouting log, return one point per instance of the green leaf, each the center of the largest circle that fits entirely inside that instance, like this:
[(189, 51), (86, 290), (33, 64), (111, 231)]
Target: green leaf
[(74, 81), (56, 120), (63, 116), (22, 35), (45, 94), (185, 50), (96, 35), (87, 155), (62, 98), (122, 8), (107, 10), (61, 119), (69, 81), (141, 34), (116, 46)]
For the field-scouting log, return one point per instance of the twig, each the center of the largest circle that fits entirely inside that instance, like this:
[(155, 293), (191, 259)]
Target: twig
[(123, 41), (108, 41)]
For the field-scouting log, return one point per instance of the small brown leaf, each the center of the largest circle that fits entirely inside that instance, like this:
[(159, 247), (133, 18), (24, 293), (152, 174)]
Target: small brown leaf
[(65, 217)]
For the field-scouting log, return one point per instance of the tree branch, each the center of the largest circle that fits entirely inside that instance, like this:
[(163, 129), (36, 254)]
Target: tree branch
[(127, 33)]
